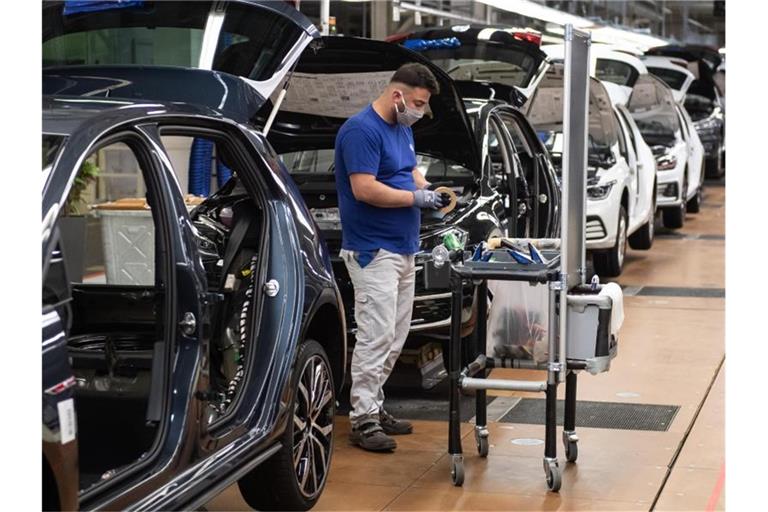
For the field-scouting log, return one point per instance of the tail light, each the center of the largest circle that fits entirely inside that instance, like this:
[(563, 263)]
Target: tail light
[(530, 36)]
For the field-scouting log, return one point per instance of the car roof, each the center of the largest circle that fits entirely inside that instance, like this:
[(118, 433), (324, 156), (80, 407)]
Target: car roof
[(63, 115)]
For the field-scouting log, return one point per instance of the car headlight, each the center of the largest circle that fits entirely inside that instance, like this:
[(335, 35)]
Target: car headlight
[(597, 192), (429, 241), (666, 162)]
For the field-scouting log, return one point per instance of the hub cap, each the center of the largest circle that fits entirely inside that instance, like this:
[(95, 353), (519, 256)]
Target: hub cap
[(313, 427)]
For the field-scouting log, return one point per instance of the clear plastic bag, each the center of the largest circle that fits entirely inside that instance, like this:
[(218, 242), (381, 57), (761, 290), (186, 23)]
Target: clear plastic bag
[(518, 320)]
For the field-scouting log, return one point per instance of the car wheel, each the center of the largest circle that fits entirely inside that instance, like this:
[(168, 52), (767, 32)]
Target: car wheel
[(611, 262), (674, 217), (642, 239), (295, 476), (715, 166), (694, 205)]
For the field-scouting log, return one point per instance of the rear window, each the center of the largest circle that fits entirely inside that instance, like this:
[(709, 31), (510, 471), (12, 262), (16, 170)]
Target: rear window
[(616, 72), (672, 78), (486, 63), (249, 43)]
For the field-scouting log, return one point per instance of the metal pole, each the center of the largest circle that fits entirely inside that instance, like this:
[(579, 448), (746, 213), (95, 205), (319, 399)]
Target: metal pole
[(325, 14)]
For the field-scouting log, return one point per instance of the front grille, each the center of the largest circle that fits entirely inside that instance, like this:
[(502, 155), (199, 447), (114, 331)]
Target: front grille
[(595, 229)]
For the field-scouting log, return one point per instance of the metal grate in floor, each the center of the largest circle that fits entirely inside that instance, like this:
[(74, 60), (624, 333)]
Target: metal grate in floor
[(609, 415), (673, 291)]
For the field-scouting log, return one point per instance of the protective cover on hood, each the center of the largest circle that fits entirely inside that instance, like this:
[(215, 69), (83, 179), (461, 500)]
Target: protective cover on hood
[(545, 109), (256, 41), (337, 80)]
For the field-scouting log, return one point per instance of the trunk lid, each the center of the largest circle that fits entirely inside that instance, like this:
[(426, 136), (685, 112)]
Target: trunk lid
[(256, 41)]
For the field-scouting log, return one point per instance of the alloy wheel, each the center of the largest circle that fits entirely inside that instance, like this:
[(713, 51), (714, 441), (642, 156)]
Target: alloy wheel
[(313, 426)]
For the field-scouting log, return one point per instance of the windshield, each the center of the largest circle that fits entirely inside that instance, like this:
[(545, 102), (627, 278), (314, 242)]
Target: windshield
[(486, 63), (616, 72), (672, 78), (698, 107), (168, 34)]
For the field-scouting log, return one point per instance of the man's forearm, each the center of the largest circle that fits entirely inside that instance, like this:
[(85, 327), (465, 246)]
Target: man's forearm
[(419, 179), (378, 194)]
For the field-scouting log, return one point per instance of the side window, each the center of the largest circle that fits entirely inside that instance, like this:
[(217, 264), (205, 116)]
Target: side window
[(108, 233), (683, 125), (622, 140), (630, 132)]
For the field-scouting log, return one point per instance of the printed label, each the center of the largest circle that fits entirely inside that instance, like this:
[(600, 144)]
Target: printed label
[(67, 420)]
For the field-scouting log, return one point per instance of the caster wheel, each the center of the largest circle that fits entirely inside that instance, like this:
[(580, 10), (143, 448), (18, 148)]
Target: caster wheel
[(457, 471), (554, 478), (481, 441), (482, 446), (571, 444)]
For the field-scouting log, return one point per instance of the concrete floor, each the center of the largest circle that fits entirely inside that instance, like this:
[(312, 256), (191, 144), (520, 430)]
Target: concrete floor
[(671, 351)]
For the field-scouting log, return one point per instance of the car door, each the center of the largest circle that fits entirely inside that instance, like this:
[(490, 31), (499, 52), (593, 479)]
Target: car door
[(630, 155), (645, 164), (696, 163)]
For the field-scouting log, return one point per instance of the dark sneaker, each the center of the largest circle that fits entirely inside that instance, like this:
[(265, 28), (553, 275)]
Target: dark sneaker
[(372, 437), (392, 426)]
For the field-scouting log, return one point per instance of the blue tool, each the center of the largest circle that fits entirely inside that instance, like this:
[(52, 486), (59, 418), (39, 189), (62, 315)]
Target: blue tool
[(478, 251), (520, 257), (535, 254), (487, 256)]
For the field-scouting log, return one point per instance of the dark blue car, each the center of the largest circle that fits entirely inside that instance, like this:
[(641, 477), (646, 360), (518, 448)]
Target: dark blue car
[(188, 344)]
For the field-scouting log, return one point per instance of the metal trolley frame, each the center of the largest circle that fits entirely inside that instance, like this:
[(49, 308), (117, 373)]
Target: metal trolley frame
[(473, 376)]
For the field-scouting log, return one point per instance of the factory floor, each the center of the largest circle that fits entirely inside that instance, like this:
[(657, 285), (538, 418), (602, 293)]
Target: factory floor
[(671, 353)]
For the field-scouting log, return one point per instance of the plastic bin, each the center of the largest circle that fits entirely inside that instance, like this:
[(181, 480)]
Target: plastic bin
[(129, 246)]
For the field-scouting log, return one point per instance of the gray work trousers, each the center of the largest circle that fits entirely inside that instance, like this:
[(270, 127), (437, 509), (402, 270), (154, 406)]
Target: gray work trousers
[(383, 305)]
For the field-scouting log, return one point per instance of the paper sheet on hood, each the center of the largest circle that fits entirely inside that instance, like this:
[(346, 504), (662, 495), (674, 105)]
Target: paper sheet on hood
[(336, 95)]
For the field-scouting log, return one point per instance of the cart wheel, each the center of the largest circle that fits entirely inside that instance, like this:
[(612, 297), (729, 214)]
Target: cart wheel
[(481, 441), (457, 470), (482, 446), (571, 451), (554, 478), (571, 444)]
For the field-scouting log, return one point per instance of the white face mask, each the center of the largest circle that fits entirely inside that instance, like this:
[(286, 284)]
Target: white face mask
[(409, 115)]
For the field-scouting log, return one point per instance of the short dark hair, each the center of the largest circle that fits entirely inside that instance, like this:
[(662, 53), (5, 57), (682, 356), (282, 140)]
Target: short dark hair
[(414, 74)]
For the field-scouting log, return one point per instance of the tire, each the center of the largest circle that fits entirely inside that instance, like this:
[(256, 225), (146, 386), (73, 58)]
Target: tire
[(277, 483), (714, 167), (611, 262), (642, 239), (694, 205), (674, 217)]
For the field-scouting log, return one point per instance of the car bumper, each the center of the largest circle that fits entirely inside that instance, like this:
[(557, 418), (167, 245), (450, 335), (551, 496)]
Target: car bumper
[(669, 188)]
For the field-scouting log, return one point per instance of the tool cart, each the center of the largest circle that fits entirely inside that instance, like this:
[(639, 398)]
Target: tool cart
[(573, 326)]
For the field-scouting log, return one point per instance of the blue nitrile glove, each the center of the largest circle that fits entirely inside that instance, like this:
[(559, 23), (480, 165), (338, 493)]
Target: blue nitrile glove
[(430, 199)]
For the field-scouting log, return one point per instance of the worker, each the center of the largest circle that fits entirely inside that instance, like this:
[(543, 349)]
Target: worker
[(381, 194)]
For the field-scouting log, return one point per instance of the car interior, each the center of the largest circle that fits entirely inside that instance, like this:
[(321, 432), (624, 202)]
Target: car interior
[(118, 340)]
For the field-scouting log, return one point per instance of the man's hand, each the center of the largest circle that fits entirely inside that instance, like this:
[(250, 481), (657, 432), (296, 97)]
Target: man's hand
[(430, 199)]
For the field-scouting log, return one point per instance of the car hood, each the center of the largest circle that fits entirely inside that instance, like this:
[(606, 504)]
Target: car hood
[(342, 76), (483, 54), (256, 42)]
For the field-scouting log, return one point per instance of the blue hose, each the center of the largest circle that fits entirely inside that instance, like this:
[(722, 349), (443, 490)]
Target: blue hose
[(200, 156), (223, 173)]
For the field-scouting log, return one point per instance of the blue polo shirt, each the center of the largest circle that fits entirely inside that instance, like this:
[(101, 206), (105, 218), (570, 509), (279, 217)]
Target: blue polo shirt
[(368, 144)]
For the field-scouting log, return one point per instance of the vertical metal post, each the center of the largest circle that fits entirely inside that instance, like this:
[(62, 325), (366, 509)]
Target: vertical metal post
[(454, 367), (481, 405)]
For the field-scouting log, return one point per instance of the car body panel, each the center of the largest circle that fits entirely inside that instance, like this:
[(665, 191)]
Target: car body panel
[(189, 471)]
